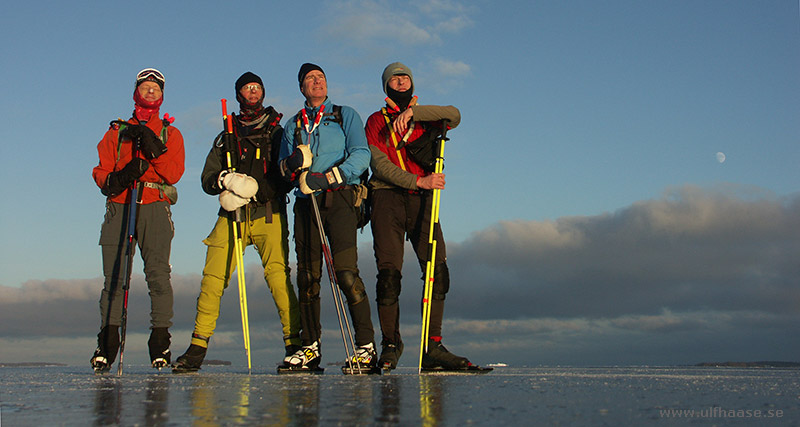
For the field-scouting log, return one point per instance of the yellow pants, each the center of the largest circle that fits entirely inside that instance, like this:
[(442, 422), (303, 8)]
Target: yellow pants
[(272, 242)]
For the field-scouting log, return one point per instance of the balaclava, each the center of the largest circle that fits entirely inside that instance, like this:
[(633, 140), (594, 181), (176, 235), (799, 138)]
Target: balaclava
[(400, 98)]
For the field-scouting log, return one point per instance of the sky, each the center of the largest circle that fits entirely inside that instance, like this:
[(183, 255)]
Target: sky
[(623, 187)]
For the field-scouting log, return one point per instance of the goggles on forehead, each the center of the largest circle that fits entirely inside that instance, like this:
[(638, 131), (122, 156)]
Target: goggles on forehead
[(150, 74)]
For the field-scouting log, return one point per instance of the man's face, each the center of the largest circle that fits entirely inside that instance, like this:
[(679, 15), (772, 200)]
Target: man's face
[(315, 87), (149, 91), (252, 92), (400, 83)]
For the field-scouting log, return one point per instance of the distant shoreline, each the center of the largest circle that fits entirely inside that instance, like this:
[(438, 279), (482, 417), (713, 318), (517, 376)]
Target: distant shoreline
[(751, 364)]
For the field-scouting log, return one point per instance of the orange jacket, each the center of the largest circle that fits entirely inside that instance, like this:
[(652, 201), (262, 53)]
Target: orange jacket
[(165, 169)]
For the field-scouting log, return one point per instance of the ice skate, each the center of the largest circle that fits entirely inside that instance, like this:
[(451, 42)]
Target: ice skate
[(390, 355), (305, 360), (107, 347), (439, 359), (160, 356), (190, 361), (364, 361)]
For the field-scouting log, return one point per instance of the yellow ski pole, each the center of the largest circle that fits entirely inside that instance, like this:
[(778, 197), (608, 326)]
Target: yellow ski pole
[(429, 266), (237, 237)]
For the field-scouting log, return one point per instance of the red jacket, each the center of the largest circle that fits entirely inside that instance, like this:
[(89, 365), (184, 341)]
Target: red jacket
[(165, 169), (378, 136)]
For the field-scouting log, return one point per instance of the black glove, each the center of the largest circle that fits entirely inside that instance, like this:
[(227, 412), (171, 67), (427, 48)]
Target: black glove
[(311, 182), (145, 139), (118, 181), (300, 159)]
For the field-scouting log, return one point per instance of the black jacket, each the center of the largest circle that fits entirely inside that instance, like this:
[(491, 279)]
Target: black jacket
[(255, 153)]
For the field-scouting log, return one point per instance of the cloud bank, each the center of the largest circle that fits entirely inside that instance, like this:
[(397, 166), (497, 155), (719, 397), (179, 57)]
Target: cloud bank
[(697, 274)]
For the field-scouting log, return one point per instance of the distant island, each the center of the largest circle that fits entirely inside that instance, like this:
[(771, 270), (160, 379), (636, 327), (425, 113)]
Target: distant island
[(751, 364), (209, 362), (30, 364)]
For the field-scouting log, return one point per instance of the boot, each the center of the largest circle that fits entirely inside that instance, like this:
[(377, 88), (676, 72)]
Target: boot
[(390, 354), (191, 360), (307, 357), (159, 347), (438, 357), (365, 357), (107, 347)]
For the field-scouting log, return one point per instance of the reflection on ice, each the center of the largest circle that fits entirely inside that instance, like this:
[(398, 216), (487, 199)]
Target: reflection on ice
[(224, 396)]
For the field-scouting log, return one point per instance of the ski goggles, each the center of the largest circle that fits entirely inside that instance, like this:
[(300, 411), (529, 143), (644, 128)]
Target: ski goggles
[(152, 75)]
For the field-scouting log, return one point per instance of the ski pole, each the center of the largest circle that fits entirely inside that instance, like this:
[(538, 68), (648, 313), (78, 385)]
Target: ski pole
[(429, 267), (338, 299), (133, 209), (238, 246)]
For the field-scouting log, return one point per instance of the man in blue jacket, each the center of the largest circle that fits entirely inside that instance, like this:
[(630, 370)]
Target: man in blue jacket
[(324, 152)]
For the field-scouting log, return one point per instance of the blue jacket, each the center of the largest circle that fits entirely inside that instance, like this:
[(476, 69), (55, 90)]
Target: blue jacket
[(331, 143)]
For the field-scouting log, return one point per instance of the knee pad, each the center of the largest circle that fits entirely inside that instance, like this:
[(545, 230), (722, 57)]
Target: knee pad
[(307, 287), (388, 286), (441, 281), (352, 286)]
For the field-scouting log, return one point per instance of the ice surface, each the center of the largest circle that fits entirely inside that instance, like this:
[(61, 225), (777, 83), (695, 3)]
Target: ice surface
[(225, 395)]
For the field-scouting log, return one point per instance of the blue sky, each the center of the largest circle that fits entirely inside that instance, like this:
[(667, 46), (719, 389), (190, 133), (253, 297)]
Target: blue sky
[(580, 119)]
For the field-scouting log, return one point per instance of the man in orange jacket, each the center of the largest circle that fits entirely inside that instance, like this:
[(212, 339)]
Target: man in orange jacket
[(147, 151)]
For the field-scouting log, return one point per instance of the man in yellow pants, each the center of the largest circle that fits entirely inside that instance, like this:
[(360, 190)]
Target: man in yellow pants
[(254, 186)]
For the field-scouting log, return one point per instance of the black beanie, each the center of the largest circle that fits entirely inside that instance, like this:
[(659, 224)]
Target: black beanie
[(246, 78), (305, 69)]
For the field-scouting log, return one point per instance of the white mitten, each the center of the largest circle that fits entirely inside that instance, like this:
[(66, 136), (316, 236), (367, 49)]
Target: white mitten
[(244, 186), (230, 201)]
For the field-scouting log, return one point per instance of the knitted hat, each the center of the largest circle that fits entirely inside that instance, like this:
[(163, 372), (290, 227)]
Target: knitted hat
[(396, 69), (305, 69), (246, 78), (150, 75)]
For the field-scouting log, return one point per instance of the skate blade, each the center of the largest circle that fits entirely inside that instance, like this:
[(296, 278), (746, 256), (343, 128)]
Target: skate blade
[(291, 370), (183, 370), (471, 369), (364, 370), (100, 370)]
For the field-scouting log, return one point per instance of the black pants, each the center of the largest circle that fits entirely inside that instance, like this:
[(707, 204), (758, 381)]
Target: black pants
[(398, 215), (339, 222)]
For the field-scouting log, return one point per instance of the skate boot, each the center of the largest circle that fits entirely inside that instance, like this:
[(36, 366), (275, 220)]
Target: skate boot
[(438, 357), (191, 360), (390, 354), (306, 357), (364, 361), (159, 348), (107, 347), (290, 350)]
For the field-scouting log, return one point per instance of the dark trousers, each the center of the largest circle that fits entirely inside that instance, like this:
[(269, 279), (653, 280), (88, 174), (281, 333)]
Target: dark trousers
[(339, 223), (154, 232), (397, 216)]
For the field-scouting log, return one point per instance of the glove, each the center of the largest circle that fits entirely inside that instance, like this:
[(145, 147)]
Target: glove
[(230, 201), (145, 139), (244, 186), (311, 182), (118, 181), (300, 159)]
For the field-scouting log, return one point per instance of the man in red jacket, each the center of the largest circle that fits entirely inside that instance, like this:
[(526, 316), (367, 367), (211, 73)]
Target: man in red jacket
[(401, 209), (149, 152)]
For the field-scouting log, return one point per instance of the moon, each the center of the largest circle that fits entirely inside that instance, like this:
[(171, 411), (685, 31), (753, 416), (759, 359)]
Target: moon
[(721, 157)]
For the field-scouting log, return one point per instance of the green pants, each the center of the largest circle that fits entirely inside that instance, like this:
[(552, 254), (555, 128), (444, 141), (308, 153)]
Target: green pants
[(272, 242)]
